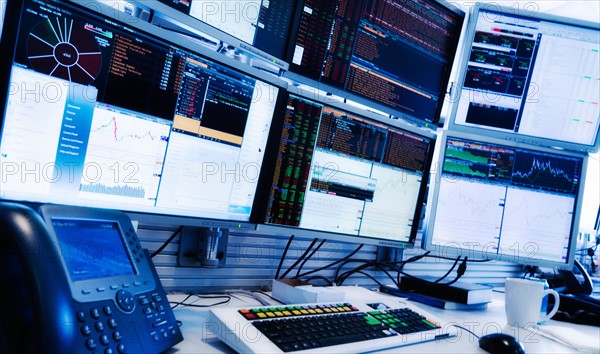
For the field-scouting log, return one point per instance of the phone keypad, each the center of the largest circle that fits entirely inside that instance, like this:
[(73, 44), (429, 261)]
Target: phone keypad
[(101, 330)]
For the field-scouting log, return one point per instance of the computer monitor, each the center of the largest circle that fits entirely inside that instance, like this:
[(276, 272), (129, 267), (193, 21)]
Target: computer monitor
[(345, 172), (392, 55), (258, 26), (530, 77), (505, 201), (113, 112)]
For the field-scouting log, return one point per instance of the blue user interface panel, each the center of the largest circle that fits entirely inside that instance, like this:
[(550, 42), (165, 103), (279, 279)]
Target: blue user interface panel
[(100, 254)]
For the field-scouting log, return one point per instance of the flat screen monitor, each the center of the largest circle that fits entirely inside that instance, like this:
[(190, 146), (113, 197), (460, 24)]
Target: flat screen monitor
[(261, 24), (530, 77), (505, 201), (392, 55), (345, 172), (117, 113)]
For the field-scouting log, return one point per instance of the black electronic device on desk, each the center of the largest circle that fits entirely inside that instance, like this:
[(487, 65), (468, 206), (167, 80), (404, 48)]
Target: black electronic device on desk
[(578, 301), (80, 283)]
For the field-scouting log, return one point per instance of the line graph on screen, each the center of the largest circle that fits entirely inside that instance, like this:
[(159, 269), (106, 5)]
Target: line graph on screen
[(128, 154)]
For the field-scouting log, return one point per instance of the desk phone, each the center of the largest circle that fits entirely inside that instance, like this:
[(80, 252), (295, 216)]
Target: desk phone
[(81, 284)]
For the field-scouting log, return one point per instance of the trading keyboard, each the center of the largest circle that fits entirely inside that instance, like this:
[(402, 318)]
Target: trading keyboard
[(333, 327)]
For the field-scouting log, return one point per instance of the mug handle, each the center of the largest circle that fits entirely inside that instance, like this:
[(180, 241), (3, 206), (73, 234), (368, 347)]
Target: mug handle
[(556, 303)]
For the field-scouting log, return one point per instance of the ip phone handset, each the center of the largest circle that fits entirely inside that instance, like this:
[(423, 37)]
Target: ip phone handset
[(83, 284)]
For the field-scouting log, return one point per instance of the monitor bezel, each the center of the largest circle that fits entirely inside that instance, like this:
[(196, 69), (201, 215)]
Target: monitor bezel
[(10, 31), (394, 113), (429, 244), (265, 181), (462, 71)]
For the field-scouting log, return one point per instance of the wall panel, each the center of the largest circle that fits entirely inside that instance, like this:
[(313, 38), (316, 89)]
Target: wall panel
[(253, 258)]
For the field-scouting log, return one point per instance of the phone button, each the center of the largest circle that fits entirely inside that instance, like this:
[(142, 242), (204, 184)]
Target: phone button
[(112, 323), (117, 336), (91, 344), (99, 326), (95, 313), (104, 339), (86, 330), (125, 301), (107, 310)]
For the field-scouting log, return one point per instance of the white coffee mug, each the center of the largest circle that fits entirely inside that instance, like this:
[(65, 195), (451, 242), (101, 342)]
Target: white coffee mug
[(524, 299)]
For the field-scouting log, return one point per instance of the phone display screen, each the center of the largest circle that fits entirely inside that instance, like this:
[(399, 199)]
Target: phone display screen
[(92, 249)]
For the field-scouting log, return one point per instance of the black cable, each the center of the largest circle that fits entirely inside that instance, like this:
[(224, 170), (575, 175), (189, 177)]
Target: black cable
[(250, 294), (427, 254), (583, 251), (267, 295), (309, 257), (183, 302), (417, 257), (370, 276), (333, 263), (202, 306), (180, 302), (162, 247), (449, 271), (452, 259), (287, 246), (410, 260), (391, 265), (337, 278), (392, 278), (462, 268), (299, 258), (382, 267), (466, 330)]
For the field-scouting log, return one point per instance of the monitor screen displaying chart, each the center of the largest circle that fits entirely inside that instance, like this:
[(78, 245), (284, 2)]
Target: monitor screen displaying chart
[(505, 201), (99, 112), (339, 171), (530, 77)]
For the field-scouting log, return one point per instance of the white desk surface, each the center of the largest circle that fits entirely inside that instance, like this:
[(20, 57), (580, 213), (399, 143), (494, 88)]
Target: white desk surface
[(199, 339)]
